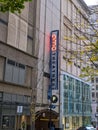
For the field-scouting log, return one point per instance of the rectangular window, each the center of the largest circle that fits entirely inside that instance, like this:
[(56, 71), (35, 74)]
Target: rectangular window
[(97, 95), (93, 94), (65, 107), (66, 122), (97, 80), (77, 86), (8, 121), (1, 96), (14, 72), (69, 9), (97, 109), (5, 122), (96, 87), (21, 74), (92, 80)]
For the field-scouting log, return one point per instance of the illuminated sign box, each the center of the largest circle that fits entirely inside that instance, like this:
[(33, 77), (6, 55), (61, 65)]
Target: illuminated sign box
[(54, 40)]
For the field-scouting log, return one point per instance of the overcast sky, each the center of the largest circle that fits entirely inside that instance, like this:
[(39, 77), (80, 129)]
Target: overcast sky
[(91, 2)]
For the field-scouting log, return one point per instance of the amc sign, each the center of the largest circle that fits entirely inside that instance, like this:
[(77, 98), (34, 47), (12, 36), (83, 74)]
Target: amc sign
[(54, 40)]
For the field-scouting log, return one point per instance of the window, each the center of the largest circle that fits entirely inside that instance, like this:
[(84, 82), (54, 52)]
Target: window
[(66, 122), (97, 80), (71, 107), (1, 96), (8, 121), (75, 122), (14, 72), (65, 107), (96, 95), (69, 10), (66, 94), (96, 87), (5, 122), (93, 94), (77, 86), (97, 109), (92, 80), (8, 97), (66, 82)]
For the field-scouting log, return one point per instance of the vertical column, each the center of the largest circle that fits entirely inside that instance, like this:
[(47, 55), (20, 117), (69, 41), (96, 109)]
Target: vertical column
[(0, 114)]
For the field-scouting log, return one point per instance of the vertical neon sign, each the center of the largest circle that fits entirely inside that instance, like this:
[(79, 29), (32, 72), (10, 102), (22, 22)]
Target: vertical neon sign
[(54, 41)]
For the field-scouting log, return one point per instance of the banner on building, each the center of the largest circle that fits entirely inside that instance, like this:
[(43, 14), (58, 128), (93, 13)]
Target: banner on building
[(54, 41)]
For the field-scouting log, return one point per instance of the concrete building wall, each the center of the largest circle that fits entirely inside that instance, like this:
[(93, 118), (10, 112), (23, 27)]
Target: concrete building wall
[(49, 20), (25, 39), (74, 21), (93, 19), (18, 66)]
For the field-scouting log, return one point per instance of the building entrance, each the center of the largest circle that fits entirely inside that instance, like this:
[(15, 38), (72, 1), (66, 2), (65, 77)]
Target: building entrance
[(44, 118)]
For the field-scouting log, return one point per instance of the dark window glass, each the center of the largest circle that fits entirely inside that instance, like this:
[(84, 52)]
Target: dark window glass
[(93, 94), (97, 109), (96, 95), (1, 96), (97, 80), (11, 62), (3, 21), (47, 75), (22, 66), (96, 87), (8, 121), (5, 122)]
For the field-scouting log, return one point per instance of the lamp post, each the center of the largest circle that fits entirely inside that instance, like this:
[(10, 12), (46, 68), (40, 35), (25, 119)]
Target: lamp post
[(50, 118), (52, 105)]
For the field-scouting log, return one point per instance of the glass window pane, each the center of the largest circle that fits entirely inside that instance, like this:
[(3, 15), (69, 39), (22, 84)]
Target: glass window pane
[(5, 122)]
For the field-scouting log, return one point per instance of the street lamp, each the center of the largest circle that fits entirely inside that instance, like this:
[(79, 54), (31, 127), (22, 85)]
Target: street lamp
[(52, 105)]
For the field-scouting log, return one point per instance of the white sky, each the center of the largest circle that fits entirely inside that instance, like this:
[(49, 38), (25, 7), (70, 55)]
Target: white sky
[(91, 2)]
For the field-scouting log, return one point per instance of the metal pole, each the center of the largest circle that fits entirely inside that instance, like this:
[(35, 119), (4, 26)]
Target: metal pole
[(50, 119)]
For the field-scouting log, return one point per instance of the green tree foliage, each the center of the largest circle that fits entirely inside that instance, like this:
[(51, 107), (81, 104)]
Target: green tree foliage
[(92, 53), (85, 58), (12, 5), (90, 50)]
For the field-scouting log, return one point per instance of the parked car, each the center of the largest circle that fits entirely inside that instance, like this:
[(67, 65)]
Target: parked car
[(82, 128), (90, 127), (87, 127)]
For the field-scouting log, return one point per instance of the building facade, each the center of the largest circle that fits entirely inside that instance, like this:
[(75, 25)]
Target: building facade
[(76, 101), (25, 69), (94, 22), (18, 67), (70, 18)]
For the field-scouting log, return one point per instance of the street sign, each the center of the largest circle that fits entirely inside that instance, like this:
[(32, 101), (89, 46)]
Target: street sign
[(52, 106), (19, 109)]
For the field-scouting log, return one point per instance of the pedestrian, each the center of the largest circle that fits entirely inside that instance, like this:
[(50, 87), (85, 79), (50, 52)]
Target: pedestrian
[(52, 127)]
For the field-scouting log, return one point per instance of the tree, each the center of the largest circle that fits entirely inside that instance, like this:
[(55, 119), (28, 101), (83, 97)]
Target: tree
[(89, 49), (12, 5)]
